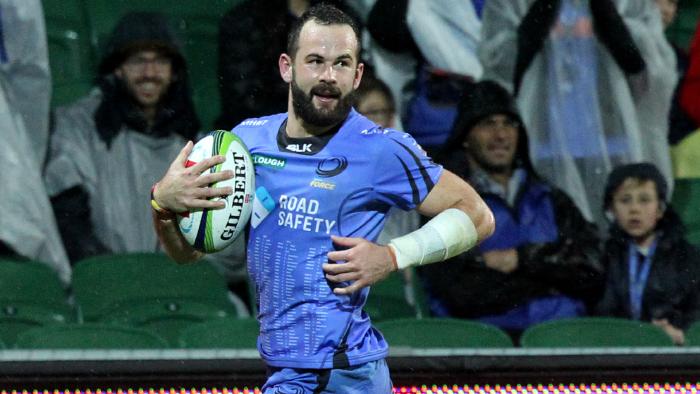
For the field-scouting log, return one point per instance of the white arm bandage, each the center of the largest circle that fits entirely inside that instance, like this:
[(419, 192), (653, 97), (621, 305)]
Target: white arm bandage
[(446, 235)]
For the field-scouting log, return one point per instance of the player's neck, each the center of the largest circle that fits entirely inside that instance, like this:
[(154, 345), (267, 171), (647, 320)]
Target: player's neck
[(297, 128)]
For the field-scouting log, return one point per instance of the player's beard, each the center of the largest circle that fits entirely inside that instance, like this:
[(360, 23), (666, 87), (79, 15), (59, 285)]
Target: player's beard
[(304, 107)]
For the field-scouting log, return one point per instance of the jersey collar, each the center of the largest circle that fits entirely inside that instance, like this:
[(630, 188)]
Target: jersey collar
[(307, 145)]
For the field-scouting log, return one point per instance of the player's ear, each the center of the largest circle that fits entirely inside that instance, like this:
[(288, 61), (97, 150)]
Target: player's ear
[(285, 64), (358, 75)]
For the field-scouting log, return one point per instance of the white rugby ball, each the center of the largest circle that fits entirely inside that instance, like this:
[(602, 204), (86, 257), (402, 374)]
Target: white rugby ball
[(211, 230)]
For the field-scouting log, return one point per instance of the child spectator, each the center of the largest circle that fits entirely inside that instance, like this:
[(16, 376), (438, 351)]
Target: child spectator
[(652, 269)]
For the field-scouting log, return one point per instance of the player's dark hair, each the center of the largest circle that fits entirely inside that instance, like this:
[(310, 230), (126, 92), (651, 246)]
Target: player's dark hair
[(323, 14)]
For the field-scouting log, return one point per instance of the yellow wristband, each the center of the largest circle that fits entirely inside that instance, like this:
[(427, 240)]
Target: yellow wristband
[(162, 212), (158, 208)]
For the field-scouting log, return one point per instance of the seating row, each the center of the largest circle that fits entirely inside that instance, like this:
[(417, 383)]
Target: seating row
[(241, 333), (148, 291), (229, 333), (140, 289)]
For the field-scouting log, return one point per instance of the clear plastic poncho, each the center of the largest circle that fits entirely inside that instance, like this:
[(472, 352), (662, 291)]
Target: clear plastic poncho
[(582, 113), (27, 225)]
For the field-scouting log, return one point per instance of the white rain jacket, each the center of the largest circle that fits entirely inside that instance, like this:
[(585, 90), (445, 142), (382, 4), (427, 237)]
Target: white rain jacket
[(448, 33), (27, 222), (118, 180)]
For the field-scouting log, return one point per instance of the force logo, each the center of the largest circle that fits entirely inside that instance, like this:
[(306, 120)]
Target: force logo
[(322, 184)]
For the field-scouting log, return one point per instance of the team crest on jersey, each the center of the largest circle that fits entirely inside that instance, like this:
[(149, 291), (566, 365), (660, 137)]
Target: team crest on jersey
[(269, 161), (331, 166)]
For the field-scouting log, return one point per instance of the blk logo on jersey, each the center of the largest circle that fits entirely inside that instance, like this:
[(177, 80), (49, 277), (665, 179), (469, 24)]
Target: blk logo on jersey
[(299, 148), (332, 166)]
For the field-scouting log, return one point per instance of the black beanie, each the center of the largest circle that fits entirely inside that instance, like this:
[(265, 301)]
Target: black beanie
[(137, 31), (480, 100), (640, 171)]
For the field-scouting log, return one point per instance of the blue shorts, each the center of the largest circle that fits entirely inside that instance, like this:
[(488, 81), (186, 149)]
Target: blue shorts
[(372, 377)]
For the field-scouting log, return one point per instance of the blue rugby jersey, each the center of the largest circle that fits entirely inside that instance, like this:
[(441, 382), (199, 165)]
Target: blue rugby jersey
[(342, 183)]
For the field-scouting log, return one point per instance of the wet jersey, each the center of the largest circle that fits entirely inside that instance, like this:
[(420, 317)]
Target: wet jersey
[(341, 183)]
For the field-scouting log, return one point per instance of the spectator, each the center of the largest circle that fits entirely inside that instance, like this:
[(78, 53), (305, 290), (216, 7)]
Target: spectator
[(680, 124), (593, 80), (374, 100), (542, 262), (668, 9), (690, 92), (447, 33), (251, 37), (28, 226), (109, 147), (388, 48), (653, 272)]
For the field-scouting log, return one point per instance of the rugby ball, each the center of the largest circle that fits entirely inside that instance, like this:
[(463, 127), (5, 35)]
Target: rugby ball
[(211, 230)]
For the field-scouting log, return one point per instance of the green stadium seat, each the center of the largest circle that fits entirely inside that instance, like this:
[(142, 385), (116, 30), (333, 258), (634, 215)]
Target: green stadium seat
[(682, 30), (196, 25), (102, 284), (18, 317), (67, 92), (692, 335), (31, 295), (166, 317), (205, 95), (443, 333), (33, 283), (71, 57), (185, 16), (686, 194), (89, 336), (389, 299), (594, 332), (228, 333)]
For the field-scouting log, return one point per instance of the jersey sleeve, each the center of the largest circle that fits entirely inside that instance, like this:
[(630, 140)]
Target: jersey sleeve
[(405, 174)]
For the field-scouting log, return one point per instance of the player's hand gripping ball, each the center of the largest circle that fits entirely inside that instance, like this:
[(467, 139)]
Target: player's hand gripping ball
[(211, 230)]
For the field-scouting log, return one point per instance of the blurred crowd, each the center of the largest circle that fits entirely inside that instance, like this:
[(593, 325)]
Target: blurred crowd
[(572, 118)]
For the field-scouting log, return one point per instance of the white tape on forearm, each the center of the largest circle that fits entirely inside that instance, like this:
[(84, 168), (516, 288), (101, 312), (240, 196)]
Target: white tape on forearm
[(446, 235)]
